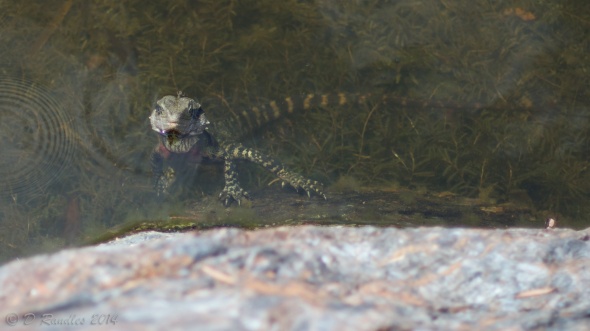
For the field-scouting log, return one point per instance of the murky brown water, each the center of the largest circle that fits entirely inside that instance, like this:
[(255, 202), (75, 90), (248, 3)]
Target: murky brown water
[(486, 101)]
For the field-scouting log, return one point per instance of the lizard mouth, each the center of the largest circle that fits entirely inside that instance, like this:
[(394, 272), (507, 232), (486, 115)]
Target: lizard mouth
[(173, 135), (172, 132)]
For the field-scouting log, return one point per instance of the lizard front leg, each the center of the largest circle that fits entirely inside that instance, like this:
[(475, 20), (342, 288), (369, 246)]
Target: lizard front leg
[(163, 177), (232, 190)]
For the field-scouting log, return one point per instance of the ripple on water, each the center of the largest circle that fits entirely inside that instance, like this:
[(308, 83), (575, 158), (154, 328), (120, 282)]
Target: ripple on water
[(37, 142)]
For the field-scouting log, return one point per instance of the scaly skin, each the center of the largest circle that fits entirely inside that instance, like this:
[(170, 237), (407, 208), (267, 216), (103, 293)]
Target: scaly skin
[(183, 129)]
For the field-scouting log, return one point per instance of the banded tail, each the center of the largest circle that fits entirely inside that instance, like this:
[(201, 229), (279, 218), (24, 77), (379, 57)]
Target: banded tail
[(260, 115)]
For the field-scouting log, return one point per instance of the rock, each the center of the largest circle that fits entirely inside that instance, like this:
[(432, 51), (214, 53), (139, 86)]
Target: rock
[(308, 278)]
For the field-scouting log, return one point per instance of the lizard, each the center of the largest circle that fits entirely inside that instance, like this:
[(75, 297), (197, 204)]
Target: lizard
[(183, 129)]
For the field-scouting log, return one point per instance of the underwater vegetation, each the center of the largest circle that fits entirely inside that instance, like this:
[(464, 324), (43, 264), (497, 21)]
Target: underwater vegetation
[(499, 89)]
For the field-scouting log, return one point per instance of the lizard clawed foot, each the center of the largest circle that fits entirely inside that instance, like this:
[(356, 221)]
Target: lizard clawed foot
[(231, 193), (308, 185)]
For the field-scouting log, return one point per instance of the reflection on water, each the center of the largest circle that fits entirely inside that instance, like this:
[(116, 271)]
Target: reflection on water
[(486, 100)]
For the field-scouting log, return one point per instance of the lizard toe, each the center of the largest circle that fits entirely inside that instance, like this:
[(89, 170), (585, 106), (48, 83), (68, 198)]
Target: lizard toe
[(231, 193)]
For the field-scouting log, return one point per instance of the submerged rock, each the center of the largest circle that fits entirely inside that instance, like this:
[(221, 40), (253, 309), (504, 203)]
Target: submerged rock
[(308, 278)]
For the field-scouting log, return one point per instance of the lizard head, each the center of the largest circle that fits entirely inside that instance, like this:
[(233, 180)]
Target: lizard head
[(178, 117)]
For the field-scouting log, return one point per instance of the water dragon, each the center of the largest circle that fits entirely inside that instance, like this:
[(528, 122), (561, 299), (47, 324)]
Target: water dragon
[(184, 130)]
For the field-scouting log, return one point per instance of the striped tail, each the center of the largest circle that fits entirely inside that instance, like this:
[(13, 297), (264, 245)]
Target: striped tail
[(260, 115)]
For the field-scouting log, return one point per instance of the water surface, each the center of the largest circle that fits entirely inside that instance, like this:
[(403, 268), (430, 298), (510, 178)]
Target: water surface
[(486, 102)]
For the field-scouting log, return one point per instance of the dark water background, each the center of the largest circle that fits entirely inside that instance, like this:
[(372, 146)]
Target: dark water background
[(498, 112)]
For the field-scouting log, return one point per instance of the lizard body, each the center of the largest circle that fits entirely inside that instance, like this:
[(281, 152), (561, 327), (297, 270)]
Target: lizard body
[(184, 129)]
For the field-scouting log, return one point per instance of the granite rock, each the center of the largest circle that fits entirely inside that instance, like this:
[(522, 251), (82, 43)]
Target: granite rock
[(308, 278)]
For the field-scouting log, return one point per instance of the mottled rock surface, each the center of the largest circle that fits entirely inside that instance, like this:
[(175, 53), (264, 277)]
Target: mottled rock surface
[(308, 278)]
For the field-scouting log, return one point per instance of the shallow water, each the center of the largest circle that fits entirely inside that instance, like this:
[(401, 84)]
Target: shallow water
[(486, 101)]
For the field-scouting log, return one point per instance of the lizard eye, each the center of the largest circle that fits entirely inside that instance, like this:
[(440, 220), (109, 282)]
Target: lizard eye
[(159, 110), (195, 112)]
